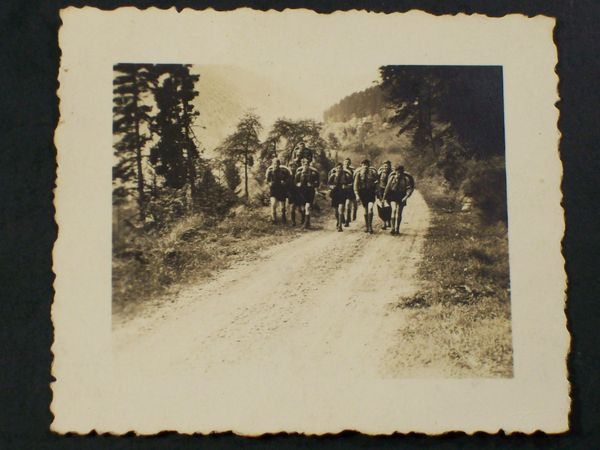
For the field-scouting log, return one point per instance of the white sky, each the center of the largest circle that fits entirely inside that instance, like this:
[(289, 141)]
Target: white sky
[(313, 89)]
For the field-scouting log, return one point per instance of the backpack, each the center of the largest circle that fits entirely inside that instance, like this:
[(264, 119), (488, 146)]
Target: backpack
[(384, 176), (400, 183), (368, 178)]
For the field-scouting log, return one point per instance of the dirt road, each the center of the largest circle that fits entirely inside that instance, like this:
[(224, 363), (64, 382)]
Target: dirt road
[(320, 305)]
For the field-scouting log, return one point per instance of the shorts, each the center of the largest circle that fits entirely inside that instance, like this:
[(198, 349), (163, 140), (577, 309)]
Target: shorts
[(278, 191), (350, 194), (366, 196), (294, 196), (306, 195), (396, 197), (338, 197)]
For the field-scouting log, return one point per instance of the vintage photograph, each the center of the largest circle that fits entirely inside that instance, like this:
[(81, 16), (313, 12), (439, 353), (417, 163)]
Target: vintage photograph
[(257, 226), (308, 223)]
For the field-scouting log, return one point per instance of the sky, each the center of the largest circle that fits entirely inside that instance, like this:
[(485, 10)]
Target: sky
[(313, 89), (294, 91), (300, 91)]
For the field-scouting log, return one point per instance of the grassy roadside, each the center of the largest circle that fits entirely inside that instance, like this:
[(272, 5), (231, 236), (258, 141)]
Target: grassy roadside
[(151, 265), (458, 324)]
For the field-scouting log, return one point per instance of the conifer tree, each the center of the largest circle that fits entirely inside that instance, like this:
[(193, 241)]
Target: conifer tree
[(176, 153), (131, 116), (242, 145)]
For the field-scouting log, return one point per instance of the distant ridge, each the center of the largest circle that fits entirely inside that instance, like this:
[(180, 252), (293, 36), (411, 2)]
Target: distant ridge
[(356, 105)]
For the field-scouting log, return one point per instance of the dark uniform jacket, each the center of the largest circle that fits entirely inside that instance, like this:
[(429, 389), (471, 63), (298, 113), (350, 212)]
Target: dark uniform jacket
[(278, 176), (399, 185), (299, 155), (384, 173), (339, 178), (365, 179), (351, 169), (308, 177)]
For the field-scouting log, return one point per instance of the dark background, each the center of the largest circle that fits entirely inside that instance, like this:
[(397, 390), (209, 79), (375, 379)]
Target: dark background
[(29, 114)]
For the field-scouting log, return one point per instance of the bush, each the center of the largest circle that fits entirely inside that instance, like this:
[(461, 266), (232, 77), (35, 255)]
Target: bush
[(170, 205), (217, 200), (485, 183)]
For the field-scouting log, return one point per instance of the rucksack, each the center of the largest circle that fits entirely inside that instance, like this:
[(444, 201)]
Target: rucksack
[(368, 178)]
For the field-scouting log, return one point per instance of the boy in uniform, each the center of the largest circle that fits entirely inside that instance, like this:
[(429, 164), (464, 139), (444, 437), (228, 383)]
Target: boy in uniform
[(351, 203), (302, 152), (277, 177), (307, 181), (365, 188), (383, 207), (293, 196), (339, 181), (400, 186)]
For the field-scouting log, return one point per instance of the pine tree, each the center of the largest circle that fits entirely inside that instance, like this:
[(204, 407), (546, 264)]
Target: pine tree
[(176, 153), (469, 99), (242, 145), (130, 123)]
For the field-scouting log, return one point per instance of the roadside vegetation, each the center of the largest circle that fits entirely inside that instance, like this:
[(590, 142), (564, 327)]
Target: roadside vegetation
[(155, 264), (458, 323)]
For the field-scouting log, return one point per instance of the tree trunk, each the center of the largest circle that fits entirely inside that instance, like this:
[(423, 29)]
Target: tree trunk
[(246, 175), (429, 121), (138, 155), (191, 169), (191, 179)]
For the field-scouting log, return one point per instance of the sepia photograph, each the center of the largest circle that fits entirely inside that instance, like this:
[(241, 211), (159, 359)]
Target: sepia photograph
[(298, 222), (255, 224)]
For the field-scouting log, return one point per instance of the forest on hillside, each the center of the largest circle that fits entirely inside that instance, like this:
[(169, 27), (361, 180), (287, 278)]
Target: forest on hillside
[(356, 105), (446, 123)]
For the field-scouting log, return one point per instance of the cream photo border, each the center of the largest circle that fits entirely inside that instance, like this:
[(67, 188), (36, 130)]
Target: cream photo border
[(87, 395)]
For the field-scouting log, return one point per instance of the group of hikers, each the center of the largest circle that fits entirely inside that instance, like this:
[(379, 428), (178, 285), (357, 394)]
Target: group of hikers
[(297, 184)]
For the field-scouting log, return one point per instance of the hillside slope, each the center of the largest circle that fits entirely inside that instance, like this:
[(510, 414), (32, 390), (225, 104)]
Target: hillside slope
[(227, 92)]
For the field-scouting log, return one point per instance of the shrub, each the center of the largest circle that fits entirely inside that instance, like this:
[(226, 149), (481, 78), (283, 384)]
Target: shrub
[(170, 205), (485, 183)]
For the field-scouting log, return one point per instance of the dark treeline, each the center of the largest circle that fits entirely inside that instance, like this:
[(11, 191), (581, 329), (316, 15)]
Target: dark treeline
[(451, 116), (160, 164), (454, 116), (467, 98), (359, 104), (159, 161)]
